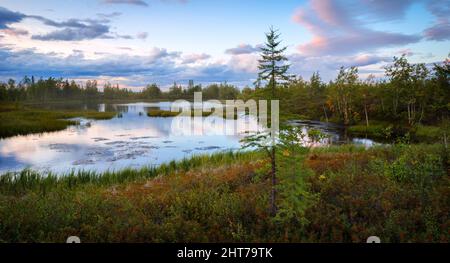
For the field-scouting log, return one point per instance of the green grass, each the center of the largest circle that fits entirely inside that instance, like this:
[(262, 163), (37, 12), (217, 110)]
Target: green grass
[(427, 133), (16, 120), (389, 131), (374, 130)]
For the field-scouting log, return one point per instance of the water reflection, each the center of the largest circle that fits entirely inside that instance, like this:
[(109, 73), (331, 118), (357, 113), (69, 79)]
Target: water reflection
[(133, 140), (335, 134)]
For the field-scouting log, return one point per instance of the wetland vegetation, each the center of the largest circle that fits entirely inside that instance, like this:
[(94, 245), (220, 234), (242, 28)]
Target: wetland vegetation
[(340, 194)]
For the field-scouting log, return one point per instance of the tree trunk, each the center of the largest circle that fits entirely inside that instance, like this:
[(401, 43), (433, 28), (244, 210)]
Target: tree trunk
[(325, 111), (367, 115), (395, 102), (409, 113), (421, 113), (273, 205)]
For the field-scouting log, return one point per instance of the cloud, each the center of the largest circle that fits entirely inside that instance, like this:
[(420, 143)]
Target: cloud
[(330, 64), (341, 28), (30, 62), (156, 65), (161, 53), (128, 2), (8, 17), (69, 30), (193, 58), (14, 32), (440, 31), (142, 35), (110, 15), (140, 2), (407, 52), (125, 48), (385, 10), (243, 49), (335, 62), (77, 30), (122, 36), (245, 62)]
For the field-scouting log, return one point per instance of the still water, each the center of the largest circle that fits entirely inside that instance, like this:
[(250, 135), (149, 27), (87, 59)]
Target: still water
[(133, 140)]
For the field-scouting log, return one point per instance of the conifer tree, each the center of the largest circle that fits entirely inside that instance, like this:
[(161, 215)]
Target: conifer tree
[(272, 66)]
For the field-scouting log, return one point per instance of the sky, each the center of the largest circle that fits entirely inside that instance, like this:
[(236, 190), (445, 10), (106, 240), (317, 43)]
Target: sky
[(137, 42)]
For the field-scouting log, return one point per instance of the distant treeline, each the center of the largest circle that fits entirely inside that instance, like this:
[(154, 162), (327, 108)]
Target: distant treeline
[(53, 89), (411, 93)]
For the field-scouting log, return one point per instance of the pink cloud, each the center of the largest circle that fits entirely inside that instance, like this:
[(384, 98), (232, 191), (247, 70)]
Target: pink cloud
[(193, 58), (243, 49), (339, 27), (440, 31), (15, 32)]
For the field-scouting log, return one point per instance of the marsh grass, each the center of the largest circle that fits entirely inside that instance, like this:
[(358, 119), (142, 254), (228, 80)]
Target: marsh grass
[(428, 133), (162, 113), (167, 114), (16, 183), (16, 120)]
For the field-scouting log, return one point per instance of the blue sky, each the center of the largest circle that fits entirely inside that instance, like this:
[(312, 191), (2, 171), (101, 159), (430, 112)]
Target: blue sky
[(136, 42)]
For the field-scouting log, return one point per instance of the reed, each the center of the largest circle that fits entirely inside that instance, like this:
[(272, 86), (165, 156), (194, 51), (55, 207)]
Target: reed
[(16, 183)]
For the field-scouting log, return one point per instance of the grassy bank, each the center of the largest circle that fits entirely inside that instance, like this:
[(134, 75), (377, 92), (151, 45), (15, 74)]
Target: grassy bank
[(168, 113), (399, 193), (17, 120), (375, 130), (390, 131)]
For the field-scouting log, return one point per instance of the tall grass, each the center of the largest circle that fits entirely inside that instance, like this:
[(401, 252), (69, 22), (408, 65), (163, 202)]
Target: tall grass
[(16, 183)]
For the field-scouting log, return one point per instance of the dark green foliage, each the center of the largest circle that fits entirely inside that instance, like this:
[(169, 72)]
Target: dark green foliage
[(272, 66)]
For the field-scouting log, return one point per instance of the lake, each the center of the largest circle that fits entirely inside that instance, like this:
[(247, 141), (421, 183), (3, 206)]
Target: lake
[(133, 140)]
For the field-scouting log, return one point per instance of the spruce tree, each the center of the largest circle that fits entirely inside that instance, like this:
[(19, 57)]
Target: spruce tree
[(272, 66)]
